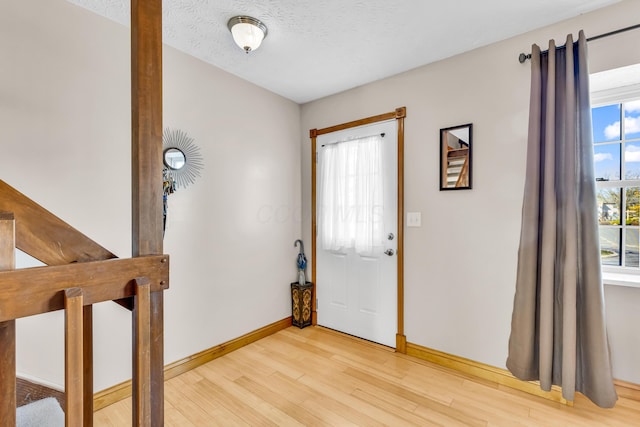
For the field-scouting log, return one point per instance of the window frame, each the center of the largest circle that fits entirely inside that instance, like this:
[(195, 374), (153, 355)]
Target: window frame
[(619, 275)]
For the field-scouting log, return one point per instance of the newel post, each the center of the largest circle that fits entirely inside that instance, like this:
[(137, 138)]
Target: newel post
[(146, 158)]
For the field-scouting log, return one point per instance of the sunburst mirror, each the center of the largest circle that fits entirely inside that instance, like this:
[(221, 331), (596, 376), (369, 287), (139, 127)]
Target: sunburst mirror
[(182, 158)]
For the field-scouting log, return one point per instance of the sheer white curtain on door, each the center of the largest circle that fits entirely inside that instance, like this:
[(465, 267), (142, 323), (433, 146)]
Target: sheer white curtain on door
[(350, 211)]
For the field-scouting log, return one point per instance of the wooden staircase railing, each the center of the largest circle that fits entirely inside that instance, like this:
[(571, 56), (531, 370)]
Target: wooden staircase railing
[(463, 178), (77, 279), (81, 273), (457, 155)]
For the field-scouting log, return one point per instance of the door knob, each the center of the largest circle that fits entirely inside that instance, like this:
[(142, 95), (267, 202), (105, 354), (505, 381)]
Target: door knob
[(389, 252), (390, 236)]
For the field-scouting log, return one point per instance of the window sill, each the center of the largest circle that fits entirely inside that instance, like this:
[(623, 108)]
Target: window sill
[(621, 279)]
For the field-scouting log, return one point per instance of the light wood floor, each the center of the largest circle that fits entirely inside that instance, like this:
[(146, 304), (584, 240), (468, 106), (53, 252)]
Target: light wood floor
[(315, 376)]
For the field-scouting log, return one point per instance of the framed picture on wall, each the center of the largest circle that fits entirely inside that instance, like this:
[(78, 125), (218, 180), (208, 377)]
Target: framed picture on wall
[(455, 157)]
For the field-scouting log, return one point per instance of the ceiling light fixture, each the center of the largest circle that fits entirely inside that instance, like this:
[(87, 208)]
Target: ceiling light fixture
[(247, 32)]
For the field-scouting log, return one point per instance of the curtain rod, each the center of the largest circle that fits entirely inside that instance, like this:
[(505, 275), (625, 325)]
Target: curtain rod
[(353, 139), (524, 56)]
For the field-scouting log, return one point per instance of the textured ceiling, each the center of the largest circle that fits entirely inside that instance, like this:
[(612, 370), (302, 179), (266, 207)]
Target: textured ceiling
[(317, 48)]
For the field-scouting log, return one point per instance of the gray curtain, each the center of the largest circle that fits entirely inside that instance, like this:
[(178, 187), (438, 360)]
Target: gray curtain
[(558, 333)]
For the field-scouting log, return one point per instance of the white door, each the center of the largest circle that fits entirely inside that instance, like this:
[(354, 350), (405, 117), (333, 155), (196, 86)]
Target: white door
[(357, 293)]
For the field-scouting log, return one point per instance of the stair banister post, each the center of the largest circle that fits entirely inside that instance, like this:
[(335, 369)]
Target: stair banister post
[(146, 182), (73, 356), (7, 328)]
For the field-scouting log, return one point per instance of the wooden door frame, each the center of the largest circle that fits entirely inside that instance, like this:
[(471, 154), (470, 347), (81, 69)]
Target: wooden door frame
[(398, 114)]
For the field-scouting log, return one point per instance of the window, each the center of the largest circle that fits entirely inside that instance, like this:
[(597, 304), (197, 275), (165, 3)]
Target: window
[(616, 137), (351, 186)]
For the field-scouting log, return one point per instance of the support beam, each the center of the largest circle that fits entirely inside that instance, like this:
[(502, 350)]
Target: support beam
[(146, 120), (7, 328), (146, 147)]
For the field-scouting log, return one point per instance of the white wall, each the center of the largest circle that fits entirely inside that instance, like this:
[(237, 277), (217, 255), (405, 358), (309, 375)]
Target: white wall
[(65, 121), (463, 306)]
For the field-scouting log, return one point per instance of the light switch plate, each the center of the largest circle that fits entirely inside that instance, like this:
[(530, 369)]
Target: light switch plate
[(414, 219)]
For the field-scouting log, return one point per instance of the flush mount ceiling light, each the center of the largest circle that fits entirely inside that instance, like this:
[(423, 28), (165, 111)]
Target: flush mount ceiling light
[(247, 32)]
